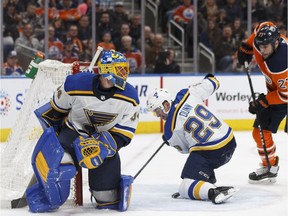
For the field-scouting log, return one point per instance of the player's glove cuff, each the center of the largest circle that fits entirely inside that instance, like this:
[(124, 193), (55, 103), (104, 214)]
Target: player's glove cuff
[(260, 104)]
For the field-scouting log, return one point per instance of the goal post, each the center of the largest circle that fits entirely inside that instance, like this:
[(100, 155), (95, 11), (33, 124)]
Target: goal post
[(16, 169)]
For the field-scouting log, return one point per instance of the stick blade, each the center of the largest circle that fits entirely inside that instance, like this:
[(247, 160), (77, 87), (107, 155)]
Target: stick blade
[(19, 203)]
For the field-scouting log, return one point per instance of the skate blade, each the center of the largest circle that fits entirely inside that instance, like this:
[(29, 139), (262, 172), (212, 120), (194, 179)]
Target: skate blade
[(221, 198), (263, 181)]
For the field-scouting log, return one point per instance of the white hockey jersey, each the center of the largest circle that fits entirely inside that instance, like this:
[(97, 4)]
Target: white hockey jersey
[(190, 125), (91, 110)]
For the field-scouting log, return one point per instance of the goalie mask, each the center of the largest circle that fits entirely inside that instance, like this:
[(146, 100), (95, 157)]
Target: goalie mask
[(114, 66), (157, 98)]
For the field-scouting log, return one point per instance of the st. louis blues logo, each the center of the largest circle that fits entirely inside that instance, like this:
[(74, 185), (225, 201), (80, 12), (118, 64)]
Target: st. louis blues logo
[(5, 103)]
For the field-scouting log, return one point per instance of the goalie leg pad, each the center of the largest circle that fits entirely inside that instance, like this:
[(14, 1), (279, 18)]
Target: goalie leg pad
[(37, 199), (53, 176), (126, 191)]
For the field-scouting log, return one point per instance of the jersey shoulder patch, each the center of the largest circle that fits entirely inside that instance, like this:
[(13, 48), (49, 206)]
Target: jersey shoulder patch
[(181, 94), (81, 82), (129, 94)]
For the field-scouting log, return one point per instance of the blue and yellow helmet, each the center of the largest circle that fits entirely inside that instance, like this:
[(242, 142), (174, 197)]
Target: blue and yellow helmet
[(114, 66)]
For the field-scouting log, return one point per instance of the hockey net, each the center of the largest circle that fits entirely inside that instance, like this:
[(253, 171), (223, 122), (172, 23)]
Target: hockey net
[(16, 170)]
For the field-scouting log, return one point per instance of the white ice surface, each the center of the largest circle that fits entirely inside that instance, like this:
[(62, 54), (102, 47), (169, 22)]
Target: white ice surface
[(152, 189)]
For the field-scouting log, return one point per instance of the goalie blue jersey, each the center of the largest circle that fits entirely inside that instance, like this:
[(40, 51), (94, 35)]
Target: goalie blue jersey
[(93, 110), (191, 126)]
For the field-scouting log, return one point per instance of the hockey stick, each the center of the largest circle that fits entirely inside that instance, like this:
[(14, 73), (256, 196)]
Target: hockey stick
[(247, 69), (149, 160), (96, 56), (22, 202)]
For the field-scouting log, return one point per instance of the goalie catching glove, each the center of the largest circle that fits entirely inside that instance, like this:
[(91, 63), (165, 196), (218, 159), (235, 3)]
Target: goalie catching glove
[(245, 53), (91, 151), (260, 104)]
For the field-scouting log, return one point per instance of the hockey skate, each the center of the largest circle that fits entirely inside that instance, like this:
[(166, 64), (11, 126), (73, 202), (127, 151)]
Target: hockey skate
[(221, 194), (263, 175)]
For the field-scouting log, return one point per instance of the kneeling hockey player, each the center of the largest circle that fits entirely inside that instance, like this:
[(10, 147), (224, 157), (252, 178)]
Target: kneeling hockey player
[(88, 120), (193, 129)]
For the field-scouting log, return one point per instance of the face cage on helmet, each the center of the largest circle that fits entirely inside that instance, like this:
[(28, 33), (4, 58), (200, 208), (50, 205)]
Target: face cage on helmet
[(119, 71)]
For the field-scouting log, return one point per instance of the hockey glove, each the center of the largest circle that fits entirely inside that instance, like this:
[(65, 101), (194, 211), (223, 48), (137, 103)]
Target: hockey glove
[(214, 80), (260, 104), (91, 151), (245, 53), (209, 75)]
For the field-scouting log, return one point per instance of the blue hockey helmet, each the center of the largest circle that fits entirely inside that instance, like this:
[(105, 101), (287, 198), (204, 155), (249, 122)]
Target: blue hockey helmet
[(267, 35), (115, 67)]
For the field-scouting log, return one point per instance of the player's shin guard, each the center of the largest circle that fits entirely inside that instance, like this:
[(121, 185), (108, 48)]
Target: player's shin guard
[(105, 199), (270, 146), (265, 175), (114, 199), (194, 189)]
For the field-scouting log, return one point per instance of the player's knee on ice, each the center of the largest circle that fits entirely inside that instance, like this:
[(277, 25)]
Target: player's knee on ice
[(118, 199)]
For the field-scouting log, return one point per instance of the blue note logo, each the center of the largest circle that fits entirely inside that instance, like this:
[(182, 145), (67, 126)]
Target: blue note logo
[(5, 103)]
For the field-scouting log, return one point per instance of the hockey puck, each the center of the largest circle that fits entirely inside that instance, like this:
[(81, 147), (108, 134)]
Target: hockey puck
[(175, 195)]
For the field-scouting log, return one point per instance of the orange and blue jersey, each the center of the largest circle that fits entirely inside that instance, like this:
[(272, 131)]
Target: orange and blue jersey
[(274, 68)]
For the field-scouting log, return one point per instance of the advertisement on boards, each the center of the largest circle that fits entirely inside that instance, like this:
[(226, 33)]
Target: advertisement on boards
[(13, 91), (230, 102)]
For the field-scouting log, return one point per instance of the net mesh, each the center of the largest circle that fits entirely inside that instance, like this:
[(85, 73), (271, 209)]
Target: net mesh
[(16, 170)]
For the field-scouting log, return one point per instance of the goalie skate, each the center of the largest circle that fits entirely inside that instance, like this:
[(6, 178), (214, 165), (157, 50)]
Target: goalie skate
[(221, 194), (264, 175)]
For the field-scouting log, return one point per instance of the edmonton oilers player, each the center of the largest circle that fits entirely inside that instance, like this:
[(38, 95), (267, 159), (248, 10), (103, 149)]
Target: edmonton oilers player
[(94, 116), (193, 129), (270, 51)]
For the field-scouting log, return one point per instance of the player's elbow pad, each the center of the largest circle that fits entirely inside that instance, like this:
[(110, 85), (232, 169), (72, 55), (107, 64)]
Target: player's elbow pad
[(215, 82), (91, 151)]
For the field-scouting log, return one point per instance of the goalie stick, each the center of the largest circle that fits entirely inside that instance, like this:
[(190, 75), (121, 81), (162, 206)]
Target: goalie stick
[(22, 202), (95, 58), (247, 69)]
